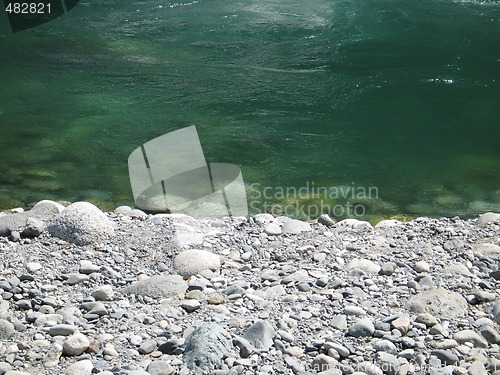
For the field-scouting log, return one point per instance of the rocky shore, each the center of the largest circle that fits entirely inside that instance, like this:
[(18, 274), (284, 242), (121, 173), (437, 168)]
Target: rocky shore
[(85, 292)]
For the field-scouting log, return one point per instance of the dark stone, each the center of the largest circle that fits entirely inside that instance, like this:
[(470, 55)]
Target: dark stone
[(206, 346)]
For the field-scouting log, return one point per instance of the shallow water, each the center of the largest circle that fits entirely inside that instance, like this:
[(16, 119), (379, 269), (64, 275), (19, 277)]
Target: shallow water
[(397, 95)]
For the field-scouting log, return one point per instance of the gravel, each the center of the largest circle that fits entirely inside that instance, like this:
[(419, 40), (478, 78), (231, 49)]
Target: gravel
[(168, 294)]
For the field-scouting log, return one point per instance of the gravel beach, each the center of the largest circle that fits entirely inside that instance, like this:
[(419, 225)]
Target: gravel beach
[(85, 292)]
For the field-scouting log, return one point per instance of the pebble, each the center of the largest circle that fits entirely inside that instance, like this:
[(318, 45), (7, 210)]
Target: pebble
[(402, 324), (447, 357), (62, 330), (83, 367), (159, 286), (192, 262), (87, 267), (422, 266), (354, 310), (6, 329), (272, 229), (76, 278), (468, 335), (206, 346), (103, 293), (191, 305), (160, 368), (426, 319), (362, 328), (147, 347), (260, 335), (76, 344), (339, 322)]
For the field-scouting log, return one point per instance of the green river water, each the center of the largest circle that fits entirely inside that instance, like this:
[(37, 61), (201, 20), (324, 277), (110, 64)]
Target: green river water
[(400, 97)]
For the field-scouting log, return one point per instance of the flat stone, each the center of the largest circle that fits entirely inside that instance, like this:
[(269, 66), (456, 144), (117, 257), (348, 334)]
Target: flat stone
[(159, 286), (402, 324), (295, 227), (341, 349), (87, 267), (191, 305), (323, 362), (385, 346), (354, 310), (477, 368), (76, 278), (445, 344), (489, 249), (62, 330), (440, 303), (484, 296), (187, 239)]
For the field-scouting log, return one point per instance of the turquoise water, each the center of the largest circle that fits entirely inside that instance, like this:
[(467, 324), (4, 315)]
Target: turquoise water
[(399, 95)]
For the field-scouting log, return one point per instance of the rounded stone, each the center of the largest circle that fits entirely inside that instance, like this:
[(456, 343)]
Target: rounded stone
[(192, 262), (81, 223), (439, 303), (362, 328), (159, 286), (83, 367), (76, 344)]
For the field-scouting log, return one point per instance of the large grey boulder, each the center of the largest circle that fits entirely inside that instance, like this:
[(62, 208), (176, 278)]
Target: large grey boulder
[(159, 286), (30, 223), (81, 223), (440, 303), (206, 346)]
